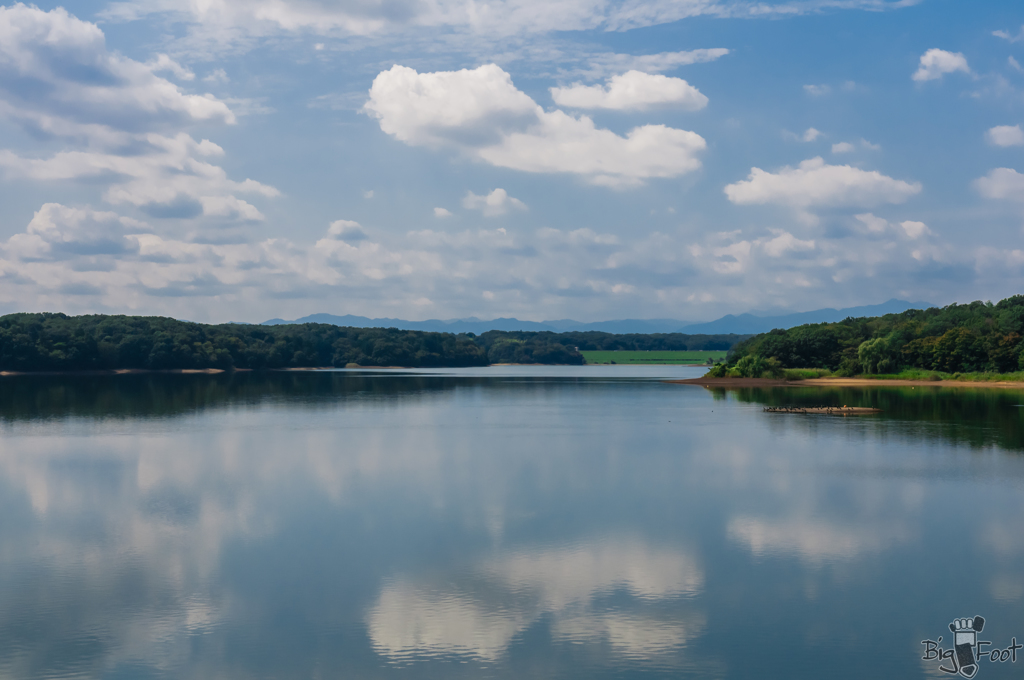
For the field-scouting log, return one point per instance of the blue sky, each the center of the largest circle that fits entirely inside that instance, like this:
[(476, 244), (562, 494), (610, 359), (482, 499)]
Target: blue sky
[(247, 159)]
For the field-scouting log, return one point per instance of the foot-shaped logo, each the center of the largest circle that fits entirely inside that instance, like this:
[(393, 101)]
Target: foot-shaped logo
[(965, 633)]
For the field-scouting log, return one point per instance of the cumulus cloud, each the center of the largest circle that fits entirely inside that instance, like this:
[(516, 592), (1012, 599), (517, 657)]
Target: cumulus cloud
[(843, 147), (631, 91), (171, 178), (879, 226), (121, 123), (481, 113), (1014, 64), (1001, 183), (217, 76), (115, 264), (783, 242), (59, 78), (58, 232), (914, 229), (442, 212), (936, 63), (1005, 135), (496, 203), (872, 224), (815, 184), (346, 230), (162, 62)]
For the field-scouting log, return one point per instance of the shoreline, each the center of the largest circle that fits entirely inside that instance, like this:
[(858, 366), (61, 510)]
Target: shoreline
[(842, 382)]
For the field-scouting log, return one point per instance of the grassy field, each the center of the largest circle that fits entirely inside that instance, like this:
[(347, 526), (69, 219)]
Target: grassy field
[(656, 357)]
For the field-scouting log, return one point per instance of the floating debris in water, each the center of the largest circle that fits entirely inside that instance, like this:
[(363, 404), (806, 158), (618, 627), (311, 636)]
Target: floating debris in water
[(824, 410)]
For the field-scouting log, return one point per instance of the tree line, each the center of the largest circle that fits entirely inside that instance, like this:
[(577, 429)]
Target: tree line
[(58, 342), (959, 338)]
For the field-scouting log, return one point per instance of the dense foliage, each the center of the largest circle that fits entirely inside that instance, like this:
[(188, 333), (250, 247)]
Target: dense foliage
[(57, 342), (974, 337), (586, 341)]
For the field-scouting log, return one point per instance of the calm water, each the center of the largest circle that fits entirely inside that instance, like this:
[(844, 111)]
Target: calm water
[(509, 523)]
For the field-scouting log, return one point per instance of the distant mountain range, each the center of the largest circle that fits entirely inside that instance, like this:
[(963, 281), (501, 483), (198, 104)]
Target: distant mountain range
[(478, 326), (751, 323), (741, 324)]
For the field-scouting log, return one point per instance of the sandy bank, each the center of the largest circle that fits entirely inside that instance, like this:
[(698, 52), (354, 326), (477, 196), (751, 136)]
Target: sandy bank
[(124, 371), (841, 382)]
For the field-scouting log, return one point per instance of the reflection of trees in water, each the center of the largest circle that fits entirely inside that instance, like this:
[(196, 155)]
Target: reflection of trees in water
[(975, 417), (26, 397)]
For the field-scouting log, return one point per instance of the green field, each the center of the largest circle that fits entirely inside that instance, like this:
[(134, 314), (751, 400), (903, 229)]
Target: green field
[(654, 357)]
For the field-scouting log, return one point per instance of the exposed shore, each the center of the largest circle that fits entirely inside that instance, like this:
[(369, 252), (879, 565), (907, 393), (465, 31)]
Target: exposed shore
[(126, 371), (842, 382)]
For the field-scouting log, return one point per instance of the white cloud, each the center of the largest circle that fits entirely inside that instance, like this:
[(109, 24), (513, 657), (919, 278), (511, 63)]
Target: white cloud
[(879, 226), (811, 134), (449, 106), (1014, 64), (62, 80), (1001, 183), (847, 147), (57, 232), (121, 123), (171, 179), (1005, 135), (603, 64), (496, 203), (815, 184), (784, 242), (217, 76), (817, 90), (481, 113), (442, 212), (115, 264), (935, 63), (238, 20), (631, 91), (165, 63), (1005, 35), (346, 230), (873, 224), (915, 229)]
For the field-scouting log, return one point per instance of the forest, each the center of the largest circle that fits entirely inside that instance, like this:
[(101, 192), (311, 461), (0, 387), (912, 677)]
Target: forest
[(959, 338), (58, 342)]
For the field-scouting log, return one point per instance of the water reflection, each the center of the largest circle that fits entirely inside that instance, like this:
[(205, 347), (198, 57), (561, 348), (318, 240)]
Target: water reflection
[(338, 525), (482, 610)]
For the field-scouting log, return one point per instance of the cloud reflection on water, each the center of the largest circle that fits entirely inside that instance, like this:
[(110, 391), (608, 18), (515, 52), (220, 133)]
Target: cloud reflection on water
[(478, 614)]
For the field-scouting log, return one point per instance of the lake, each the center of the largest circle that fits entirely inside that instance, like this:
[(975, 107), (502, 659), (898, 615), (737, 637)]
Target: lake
[(508, 522)]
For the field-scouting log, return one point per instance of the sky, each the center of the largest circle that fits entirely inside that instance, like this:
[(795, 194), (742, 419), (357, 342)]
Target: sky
[(239, 160)]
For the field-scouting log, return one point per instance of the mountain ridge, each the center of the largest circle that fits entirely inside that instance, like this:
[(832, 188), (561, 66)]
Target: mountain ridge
[(743, 324)]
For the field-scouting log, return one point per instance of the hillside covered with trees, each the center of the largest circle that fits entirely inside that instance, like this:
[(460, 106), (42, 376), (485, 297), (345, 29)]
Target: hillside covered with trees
[(960, 338), (57, 342)]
